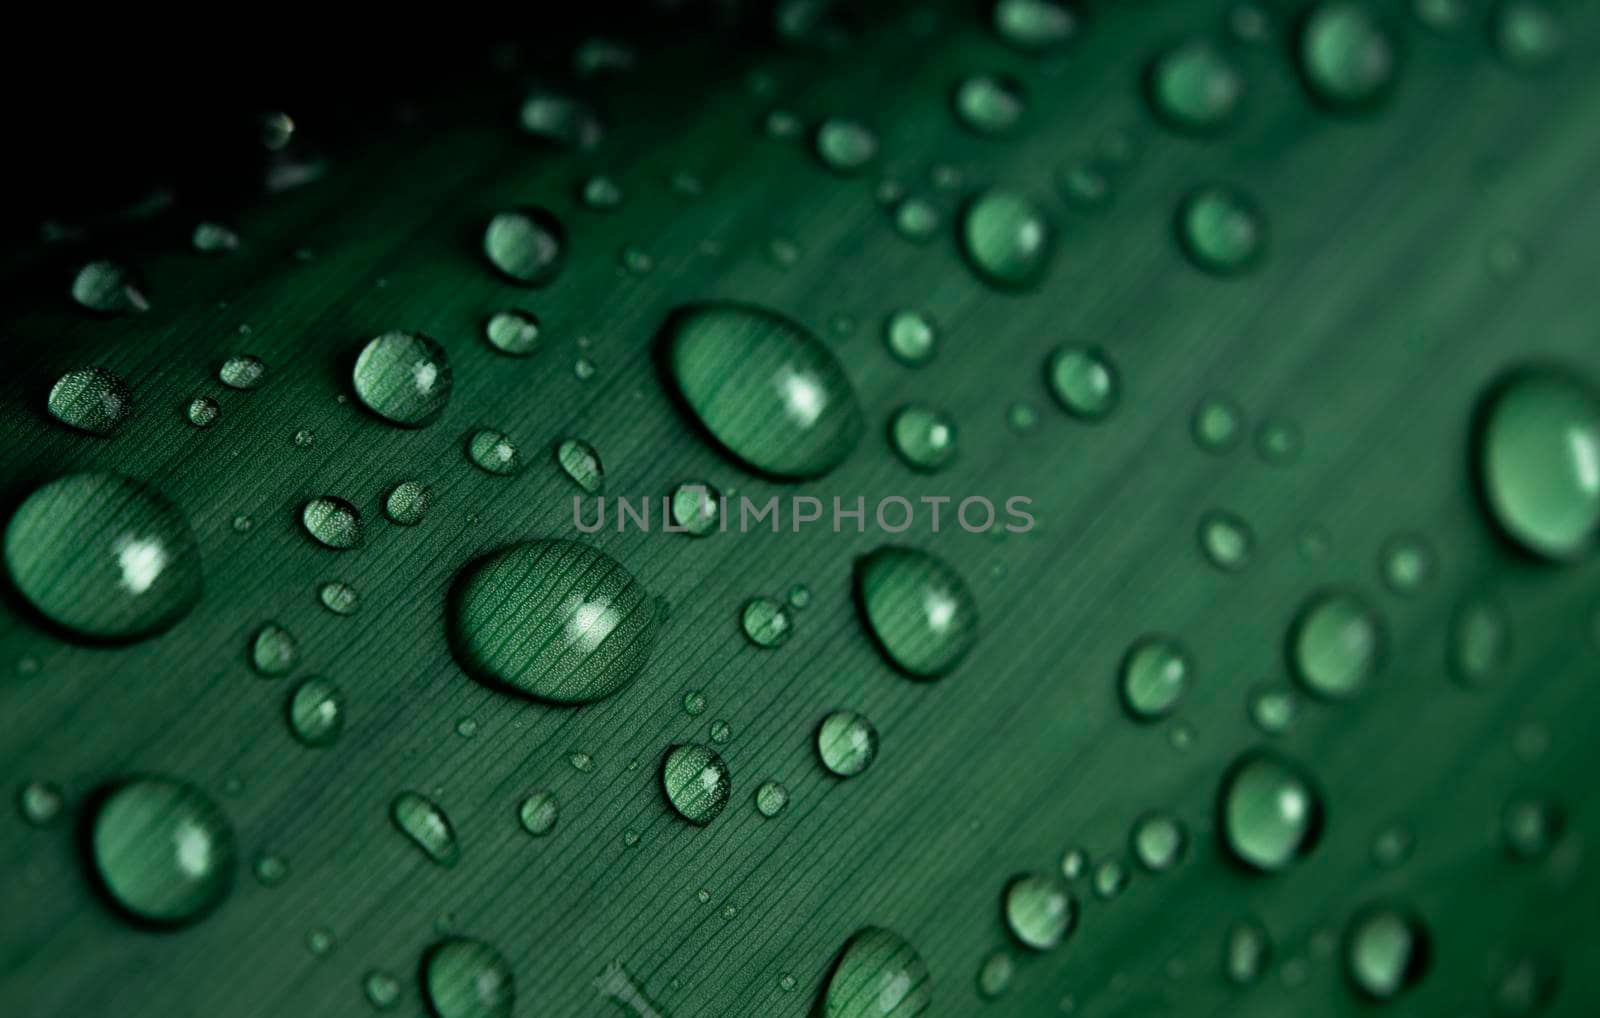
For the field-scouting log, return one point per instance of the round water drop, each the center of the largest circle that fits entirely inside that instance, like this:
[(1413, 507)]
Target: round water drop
[(214, 238), (103, 557), (764, 387), (1274, 711), (1531, 827), (1074, 863), (514, 332), (1386, 952), (1217, 424), (847, 743), (162, 850), (407, 503), (1084, 382), (1538, 446), (1407, 564), (243, 371), (878, 975), (1034, 25), (1278, 441), (995, 975), (910, 337), (696, 507), (1479, 641), (316, 712), (40, 803), (556, 620), (539, 813), (203, 411), (916, 220), (420, 819), (1226, 540), (580, 462), (339, 598), (333, 521), (403, 377), (696, 782), (1335, 645), (1221, 230), (918, 610), (527, 245), (1039, 910), (493, 452), (601, 193), (1109, 880), (1084, 183), (381, 989), (550, 116), (1159, 842), (109, 288), (767, 622), (694, 702), (273, 650), (1527, 33), (845, 146), (1270, 812), (464, 978), (1347, 57), (270, 870), (1155, 676), (924, 439), (1006, 238), (1195, 87), (92, 400), (990, 103), (1246, 952), (771, 799)]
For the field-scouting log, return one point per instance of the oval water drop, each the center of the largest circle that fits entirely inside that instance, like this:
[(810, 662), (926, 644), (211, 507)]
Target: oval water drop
[(1221, 230), (1154, 678), (407, 503), (563, 120), (924, 439), (92, 400), (527, 245), (1335, 645), (990, 103), (918, 610), (316, 712), (1006, 238), (696, 782), (420, 819), (242, 371), (1084, 382), (581, 463), (1034, 25), (162, 850), (403, 377), (1039, 910), (109, 288), (1270, 812), (465, 978), (1195, 87), (493, 452), (878, 975), (514, 332), (539, 813), (767, 622), (333, 521), (847, 743), (1347, 57), (1386, 952)]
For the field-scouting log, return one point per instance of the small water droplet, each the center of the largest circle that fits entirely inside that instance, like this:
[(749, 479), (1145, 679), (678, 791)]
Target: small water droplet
[(694, 702), (493, 452), (1195, 86), (320, 941), (1034, 25), (995, 975), (559, 119), (270, 870), (767, 622), (333, 521), (916, 220), (203, 411), (339, 598), (1407, 564), (1159, 842), (918, 610), (40, 802), (925, 439), (1386, 952), (1109, 880), (847, 743), (382, 990), (316, 712), (601, 193), (403, 377), (527, 245), (1270, 813), (92, 400), (305, 438), (1221, 230), (214, 238), (584, 763), (845, 146), (539, 813), (696, 782), (580, 462), (243, 371), (878, 975), (1226, 540), (1039, 910), (464, 978), (1527, 33), (1006, 238), (513, 332), (110, 289), (990, 103), (1526, 985), (1335, 645), (1274, 710), (1154, 677), (1084, 382), (910, 337), (1346, 56), (162, 850), (420, 819), (771, 798), (799, 596), (1531, 827), (721, 731), (1074, 863), (407, 503), (1217, 424)]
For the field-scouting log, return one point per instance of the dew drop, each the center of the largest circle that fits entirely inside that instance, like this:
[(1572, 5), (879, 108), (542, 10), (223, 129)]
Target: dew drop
[(1270, 812), (539, 813), (203, 411), (917, 609), (407, 503), (1074, 863), (382, 990), (316, 712), (916, 220), (990, 103), (1109, 880), (1273, 710), (1039, 910), (766, 622), (1226, 540), (1195, 87), (333, 521), (1531, 827), (339, 598), (847, 743), (924, 439), (403, 377), (213, 239), (513, 332), (1159, 842), (1084, 382), (1246, 952), (696, 782), (527, 245), (560, 119), (465, 978), (1335, 645), (162, 850), (493, 452), (242, 371), (1006, 238), (1347, 58), (1221, 230), (110, 289), (878, 975), (1154, 677), (581, 463), (910, 337), (92, 400), (995, 975), (273, 650), (1386, 952), (1217, 424), (696, 507), (270, 870), (40, 803), (771, 799), (1407, 564), (420, 819), (845, 146), (1527, 33)]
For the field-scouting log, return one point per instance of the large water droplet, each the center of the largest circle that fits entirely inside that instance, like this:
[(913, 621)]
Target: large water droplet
[(1221, 230), (1347, 57), (464, 978), (1084, 382), (1335, 645), (1194, 86), (1039, 910), (1155, 675), (1271, 813), (316, 712), (109, 288), (103, 557), (1006, 238), (527, 245), (403, 377), (696, 782), (847, 743), (92, 400), (918, 609), (1538, 454), (553, 619), (424, 822), (333, 521), (162, 850), (878, 975), (1386, 952), (764, 387)]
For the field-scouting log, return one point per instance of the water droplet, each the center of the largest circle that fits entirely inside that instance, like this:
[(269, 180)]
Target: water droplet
[(1440, 15), (1246, 952), (1194, 86), (990, 103), (1347, 57), (788, 983), (845, 146), (1006, 238), (916, 220), (1221, 230), (580, 462), (878, 975), (1407, 564), (1531, 827), (925, 439), (513, 332), (270, 870), (1154, 677), (694, 702), (92, 400), (110, 289), (1526, 985), (1335, 645), (316, 712), (767, 622), (467, 727), (382, 990), (203, 411), (918, 610), (407, 503), (583, 369), (1022, 418), (214, 238), (464, 978), (1039, 910), (1074, 863), (420, 819), (40, 802), (696, 782), (273, 650), (847, 743), (1480, 641), (1226, 540), (528, 245), (771, 798), (1270, 812), (333, 521), (492, 451), (910, 337), (162, 850), (799, 595), (1034, 25), (1084, 184), (721, 731), (1278, 441), (556, 620), (104, 557), (584, 763), (403, 377), (1274, 711), (601, 193), (1527, 33), (1109, 880), (1218, 420), (305, 438), (1386, 952), (339, 598), (243, 371), (552, 117), (764, 387), (1084, 382), (320, 941), (1159, 842), (539, 813), (1538, 454)]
